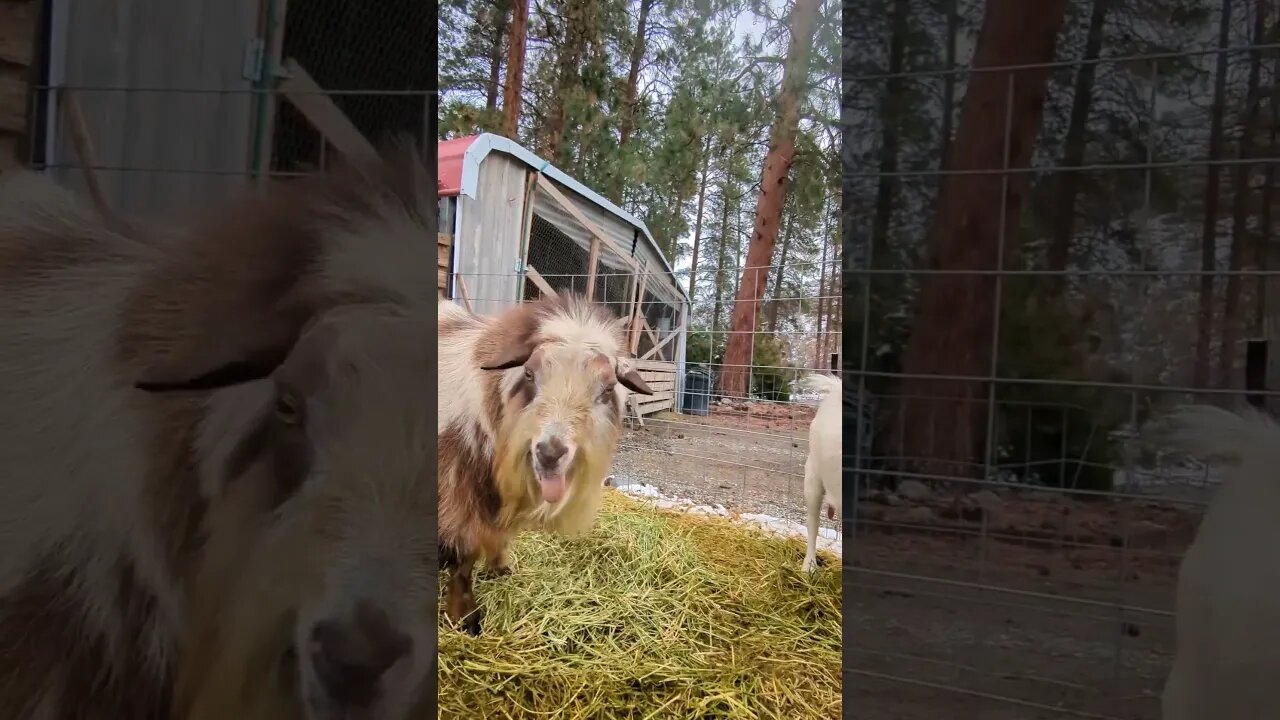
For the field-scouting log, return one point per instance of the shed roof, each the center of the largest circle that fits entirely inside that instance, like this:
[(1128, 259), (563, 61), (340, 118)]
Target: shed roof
[(458, 172)]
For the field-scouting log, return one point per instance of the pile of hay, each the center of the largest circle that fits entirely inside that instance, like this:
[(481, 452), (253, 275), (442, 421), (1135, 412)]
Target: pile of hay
[(653, 615)]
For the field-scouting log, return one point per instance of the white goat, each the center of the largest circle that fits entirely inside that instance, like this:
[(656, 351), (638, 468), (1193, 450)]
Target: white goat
[(822, 466), (1228, 610)]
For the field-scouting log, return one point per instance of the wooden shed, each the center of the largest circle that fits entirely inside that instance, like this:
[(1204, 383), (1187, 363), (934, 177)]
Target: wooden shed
[(157, 105), (512, 226)]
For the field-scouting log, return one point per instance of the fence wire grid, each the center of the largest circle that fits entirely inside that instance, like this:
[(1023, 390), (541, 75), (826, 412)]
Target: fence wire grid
[(269, 90), (696, 444), (1047, 251)]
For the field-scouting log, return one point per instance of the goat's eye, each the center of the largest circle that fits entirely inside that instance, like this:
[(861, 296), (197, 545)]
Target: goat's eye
[(528, 374), (606, 395), (288, 409)]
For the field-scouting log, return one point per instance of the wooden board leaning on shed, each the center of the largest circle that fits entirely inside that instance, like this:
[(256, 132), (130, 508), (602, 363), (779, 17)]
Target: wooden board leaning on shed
[(444, 244), (661, 378)]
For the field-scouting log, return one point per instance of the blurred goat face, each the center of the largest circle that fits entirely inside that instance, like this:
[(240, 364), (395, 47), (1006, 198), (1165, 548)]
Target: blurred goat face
[(329, 576)]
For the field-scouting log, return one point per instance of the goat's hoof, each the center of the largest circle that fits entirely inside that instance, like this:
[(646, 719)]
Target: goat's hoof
[(500, 571), (810, 564), (471, 623)]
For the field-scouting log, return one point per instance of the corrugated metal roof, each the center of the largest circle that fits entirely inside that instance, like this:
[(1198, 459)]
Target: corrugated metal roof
[(458, 168)]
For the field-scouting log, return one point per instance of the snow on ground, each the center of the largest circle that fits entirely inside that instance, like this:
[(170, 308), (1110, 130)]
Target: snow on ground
[(828, 538)]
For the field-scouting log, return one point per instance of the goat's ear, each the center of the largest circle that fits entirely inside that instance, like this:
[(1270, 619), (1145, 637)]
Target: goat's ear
[(513, 355), (631, 380)]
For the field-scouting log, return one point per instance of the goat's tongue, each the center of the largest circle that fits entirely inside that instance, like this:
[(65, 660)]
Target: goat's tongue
[(552, 487)]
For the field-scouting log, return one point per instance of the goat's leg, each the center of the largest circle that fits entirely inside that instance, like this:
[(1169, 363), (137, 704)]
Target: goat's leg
[(462, 609), (499, 564), (813, 509)]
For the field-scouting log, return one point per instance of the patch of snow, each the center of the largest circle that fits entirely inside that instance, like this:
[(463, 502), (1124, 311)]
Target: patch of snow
[(828, 538)]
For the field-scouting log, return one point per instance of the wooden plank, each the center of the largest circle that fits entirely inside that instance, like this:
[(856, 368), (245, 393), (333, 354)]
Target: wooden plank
[(18, 32), (661, 395), (550, 188), (299, 88), (660, 385), (593, 263), (463, 294), (634, 330), (532, 273), (656, 406), (670, 336), (643, 364), (658, 377)]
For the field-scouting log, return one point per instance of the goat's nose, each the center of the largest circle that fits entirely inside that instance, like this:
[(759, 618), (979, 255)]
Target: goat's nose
[(550, 452), (351, 657)]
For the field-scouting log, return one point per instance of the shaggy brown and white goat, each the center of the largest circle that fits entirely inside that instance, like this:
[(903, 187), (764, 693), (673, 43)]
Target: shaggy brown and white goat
[(530, 413), (214, 455)]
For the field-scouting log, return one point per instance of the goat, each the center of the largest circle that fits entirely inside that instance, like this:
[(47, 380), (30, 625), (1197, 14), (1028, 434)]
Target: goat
[(1226, 661), (528, 428), (822, 465), (214, 473)]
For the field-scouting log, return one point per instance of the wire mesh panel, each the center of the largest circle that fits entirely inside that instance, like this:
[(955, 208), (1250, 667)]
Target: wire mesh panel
[(222, 96), (1071, 242), (559, 250), (734, 453), (372, 54)]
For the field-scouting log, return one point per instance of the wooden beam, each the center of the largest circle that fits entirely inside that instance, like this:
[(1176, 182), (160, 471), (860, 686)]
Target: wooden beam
[(634, 330), (593, 262), (83, 146), (654, 350), (533, 274), (299, 88), (465, 296), (569, 206)]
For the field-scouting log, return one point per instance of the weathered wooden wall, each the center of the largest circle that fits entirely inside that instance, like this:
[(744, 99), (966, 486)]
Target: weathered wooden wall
[(18, 21), (167, 106)]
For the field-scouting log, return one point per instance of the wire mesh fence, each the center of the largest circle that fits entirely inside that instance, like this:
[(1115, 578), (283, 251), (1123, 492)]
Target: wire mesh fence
[(1060, 227), (154, 123), (692, 443)]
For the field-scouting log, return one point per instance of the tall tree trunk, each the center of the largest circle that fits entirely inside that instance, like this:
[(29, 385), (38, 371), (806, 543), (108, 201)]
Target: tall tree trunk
[(1068, 185), (776, 298), (891, 105), (1209, 230), (568, 66), (495, 56), (955, 314), (722, 255), (1261, 251), (627, 122), (823, 324), (949, 82), (772, 199), (519, 29), (697, 223), (1241, 194)]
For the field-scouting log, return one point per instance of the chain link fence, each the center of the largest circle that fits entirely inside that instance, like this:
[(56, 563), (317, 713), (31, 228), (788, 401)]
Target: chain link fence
[(1073, 240)]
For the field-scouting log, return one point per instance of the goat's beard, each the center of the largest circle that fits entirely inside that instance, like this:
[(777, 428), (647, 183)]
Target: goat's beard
[(518, 484)]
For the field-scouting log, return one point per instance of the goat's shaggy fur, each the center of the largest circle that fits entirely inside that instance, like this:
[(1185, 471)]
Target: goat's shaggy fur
[(1228, 618), (553, 373), (822, 465), (164, 554)]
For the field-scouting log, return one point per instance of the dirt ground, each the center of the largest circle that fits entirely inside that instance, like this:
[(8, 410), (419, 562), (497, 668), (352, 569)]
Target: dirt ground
[(1012, 605), (998, 604), (746, 457)]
